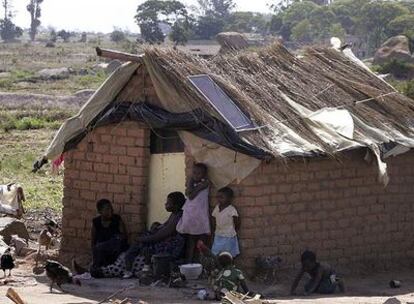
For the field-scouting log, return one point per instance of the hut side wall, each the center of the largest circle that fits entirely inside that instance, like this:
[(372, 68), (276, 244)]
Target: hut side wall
[(337, 209), (111, 162)]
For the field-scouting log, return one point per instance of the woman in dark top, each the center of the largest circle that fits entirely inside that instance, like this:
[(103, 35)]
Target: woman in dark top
[(108, 235), (162, 238)]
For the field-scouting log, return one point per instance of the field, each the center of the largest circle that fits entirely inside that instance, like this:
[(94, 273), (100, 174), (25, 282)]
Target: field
[(28, 122)]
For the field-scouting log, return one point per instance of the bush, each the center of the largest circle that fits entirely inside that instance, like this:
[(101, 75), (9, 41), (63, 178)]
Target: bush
[(118, 36), (29, 123), (397, 68), (409, 89)]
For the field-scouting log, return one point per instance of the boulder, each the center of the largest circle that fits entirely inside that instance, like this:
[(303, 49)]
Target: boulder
[(3, 246), (112, 66), (395, 48), (100, 67), (20, 245), (5, 74), (54, 74), (11, 226)]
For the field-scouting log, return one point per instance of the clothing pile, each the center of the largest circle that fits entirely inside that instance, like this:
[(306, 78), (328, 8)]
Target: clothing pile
[(11, 198)]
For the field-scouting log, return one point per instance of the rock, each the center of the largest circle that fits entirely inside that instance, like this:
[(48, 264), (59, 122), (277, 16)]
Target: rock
[(5, 75), (395, 48), (84, 94), (3, 246), (50, 44), (19, 244), (100, 67), (11, 226), (112, 66), (54, 74)]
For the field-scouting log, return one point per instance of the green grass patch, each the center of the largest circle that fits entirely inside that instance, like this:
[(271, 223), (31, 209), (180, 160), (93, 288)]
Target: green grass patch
[(90, 81), (19, 151), (32, 119)]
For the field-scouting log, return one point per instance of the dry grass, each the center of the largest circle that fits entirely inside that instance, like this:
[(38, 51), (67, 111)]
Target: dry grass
[(262, 82)]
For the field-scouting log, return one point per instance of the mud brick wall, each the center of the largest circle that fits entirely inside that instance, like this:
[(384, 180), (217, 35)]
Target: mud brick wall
[(337, 209), (111, 162)]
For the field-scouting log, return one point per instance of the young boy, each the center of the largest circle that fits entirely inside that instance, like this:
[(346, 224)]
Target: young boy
[(226, 222), (323, 279), (229, 278)]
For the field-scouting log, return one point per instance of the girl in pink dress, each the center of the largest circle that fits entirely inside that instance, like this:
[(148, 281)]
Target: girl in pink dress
[(195, 222)]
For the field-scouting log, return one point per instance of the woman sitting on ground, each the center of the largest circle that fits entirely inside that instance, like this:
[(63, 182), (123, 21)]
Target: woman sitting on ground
[(108, 235), (160, 239)]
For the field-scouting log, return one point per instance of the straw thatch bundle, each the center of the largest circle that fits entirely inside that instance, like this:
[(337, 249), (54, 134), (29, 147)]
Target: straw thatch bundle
[(262, 82), (231, 41)]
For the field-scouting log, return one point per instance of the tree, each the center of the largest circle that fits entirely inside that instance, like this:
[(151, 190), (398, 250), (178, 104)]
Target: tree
[(179, 34), (322, 19), (215, 14), (375, 18), (303, 32), (294, 14), (35, 12), (153, 12), (84, 37), (8, 30), (65, 35), (117, 36), (218, 8), (401, 25), (209, 26), (247, 22), (53, 35)]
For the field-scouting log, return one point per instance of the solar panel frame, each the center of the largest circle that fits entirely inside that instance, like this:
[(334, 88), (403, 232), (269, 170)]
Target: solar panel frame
[(247, 126)]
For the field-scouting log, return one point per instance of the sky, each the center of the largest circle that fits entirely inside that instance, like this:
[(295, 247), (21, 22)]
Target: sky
[(102, 15)]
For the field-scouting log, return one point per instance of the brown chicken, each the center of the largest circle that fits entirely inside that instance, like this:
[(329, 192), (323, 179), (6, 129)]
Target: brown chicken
[(46, 237)]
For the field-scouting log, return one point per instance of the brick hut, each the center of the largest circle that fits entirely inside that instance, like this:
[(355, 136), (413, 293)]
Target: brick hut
[(317, 149)]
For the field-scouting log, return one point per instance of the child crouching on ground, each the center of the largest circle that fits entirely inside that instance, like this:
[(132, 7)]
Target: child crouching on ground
[(323, 278), (226, 222), (229, 278)]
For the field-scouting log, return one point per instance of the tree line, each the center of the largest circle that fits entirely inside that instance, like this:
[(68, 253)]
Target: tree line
[(301, 21)]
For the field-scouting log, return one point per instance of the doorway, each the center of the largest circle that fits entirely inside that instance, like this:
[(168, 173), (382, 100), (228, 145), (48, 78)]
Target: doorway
[(166, 172)]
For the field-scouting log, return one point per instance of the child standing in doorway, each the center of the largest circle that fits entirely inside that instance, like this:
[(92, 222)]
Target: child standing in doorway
[(195, 222), (226, 222)]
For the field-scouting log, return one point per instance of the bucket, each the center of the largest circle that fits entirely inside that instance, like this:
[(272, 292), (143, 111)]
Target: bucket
[(161, 265)]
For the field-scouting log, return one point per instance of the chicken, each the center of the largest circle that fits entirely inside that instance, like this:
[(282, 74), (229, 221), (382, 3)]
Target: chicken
[(267, 266), (207, 259), (59, 274), (46, 236), (7, 262)]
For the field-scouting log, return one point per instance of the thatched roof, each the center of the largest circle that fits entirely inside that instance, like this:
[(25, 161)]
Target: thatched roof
[(319, 104), (279, 91)]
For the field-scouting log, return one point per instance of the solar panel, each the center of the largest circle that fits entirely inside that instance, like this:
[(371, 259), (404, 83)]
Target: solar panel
[(221, 102)]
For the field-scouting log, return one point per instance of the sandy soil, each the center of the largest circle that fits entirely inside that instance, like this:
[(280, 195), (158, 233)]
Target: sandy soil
[(34, 289)]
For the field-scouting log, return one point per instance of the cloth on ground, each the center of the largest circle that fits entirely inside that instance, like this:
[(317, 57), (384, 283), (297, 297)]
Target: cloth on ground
[(11, 197)]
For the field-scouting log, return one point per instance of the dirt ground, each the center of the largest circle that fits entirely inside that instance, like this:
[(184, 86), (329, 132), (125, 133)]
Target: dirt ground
[(34, 289)]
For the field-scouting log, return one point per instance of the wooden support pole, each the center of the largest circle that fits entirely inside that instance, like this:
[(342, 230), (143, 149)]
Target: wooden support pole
[(111, 54)]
